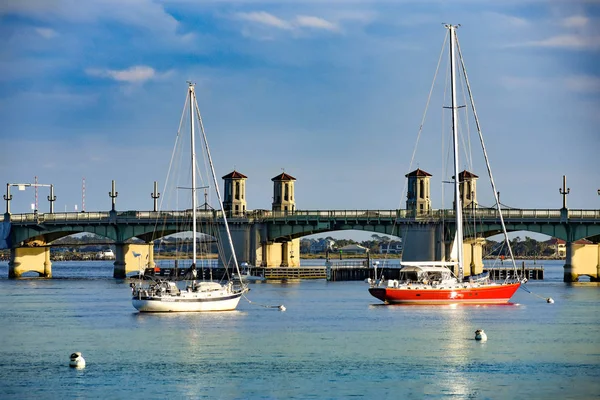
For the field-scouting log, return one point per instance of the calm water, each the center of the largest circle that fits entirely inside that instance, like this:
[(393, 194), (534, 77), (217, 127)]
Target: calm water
[(334, 342)]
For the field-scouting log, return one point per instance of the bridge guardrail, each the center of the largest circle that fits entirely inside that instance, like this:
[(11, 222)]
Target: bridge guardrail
[(481, 213)]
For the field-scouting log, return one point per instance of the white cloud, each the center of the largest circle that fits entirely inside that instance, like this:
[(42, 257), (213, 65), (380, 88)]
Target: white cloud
[(296, 24), (505, 19), (149, 14), (46, 33), (583, 83), (514, 82), (568, 41), (575, 21), (265, 18), (135, 74), (574, 83), (315, 22)]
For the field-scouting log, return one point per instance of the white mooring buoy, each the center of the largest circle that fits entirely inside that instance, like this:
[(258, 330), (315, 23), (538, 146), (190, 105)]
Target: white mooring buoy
[(550, 300), (77, 361), (480, 335)]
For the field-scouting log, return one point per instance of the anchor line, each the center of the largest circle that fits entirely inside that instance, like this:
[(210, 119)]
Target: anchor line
[(261, 305), (522, 286)]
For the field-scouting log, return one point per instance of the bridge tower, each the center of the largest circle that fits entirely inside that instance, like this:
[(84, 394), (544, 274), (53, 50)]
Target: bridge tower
[(234, 199), (283, 193), (418, 198), (287, 253), (467, 184)]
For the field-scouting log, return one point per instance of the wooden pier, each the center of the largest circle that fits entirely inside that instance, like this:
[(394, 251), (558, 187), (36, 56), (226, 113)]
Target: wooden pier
[(345, 270), (531, 272), (354, 270), (291, 273)]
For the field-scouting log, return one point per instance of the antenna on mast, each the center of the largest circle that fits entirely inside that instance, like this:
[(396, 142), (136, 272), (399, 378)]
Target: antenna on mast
[(36, 194), (83, 194)]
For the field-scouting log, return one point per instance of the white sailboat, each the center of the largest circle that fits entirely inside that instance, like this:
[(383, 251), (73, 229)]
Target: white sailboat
[(247, 276), (427, 282), (160, 295)]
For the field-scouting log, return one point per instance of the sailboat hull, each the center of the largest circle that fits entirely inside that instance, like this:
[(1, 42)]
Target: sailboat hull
[(188, 302), (423, 294)]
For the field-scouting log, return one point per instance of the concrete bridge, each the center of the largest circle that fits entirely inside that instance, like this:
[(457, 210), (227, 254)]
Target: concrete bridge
[(271, 238)]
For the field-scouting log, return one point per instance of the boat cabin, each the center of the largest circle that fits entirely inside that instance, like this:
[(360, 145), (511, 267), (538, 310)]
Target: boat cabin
[(425, 274)]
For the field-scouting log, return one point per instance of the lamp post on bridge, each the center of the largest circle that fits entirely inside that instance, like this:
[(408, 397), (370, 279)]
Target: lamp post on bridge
[(22, 186), (51, 199), (564, 191), (155, 196), (113, 195)]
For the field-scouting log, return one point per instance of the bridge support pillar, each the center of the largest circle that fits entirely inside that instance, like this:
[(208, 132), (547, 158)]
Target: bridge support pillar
[(286, 254), (473, 253), (151, 263), (582, 259), (290, 253), (423, 242), (242, 238), (132, 257), (25, 259)]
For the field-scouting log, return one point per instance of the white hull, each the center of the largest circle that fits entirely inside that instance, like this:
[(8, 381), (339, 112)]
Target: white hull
[(164, 295), (248, 278), (188, 302)]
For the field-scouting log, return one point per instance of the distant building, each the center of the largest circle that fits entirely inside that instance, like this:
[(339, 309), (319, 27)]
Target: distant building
[(321, 246), (353, 249), (106, 255), (391, 247), (559, 246)]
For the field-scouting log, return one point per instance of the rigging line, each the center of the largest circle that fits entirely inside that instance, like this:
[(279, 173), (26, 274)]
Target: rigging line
[(487, 163), (426, 108), (404, 189), (468, 151), (445, 160), (160, 207), (199, 116)]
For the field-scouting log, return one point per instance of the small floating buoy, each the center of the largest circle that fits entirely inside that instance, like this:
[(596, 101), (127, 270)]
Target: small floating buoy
[(480, 335), (77, 361), (282, 307), (550, 300)]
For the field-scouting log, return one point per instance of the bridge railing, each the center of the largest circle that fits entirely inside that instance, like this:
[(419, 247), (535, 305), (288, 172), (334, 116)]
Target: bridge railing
[(124, 216), (432, 214)]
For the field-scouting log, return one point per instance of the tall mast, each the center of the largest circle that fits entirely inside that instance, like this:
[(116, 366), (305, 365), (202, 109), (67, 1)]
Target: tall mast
[(457, 203), (193, 153), (216, 183)]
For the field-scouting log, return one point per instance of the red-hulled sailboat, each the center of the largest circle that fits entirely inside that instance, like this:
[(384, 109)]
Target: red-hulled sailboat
[(432, 282)]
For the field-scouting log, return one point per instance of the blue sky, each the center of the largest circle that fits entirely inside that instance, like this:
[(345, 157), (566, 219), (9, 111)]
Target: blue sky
[(331, 91)]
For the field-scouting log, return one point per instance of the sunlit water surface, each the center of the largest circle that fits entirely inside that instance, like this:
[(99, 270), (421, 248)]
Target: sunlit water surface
[(334, 341)]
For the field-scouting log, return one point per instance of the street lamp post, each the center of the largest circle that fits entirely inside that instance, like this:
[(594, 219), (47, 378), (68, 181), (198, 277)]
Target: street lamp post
[(22, 186), (564, 191)]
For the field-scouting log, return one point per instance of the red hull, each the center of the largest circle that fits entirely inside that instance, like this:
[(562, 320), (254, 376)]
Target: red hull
[(492, 294)]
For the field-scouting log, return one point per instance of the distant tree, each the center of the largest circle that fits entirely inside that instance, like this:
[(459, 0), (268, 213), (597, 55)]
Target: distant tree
[(305, 245)]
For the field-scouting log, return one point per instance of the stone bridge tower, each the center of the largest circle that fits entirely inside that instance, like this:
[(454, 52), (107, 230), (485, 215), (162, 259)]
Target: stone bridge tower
[(287, 253), (283, 193), (418, 198), (467, 184), (234, 198)]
